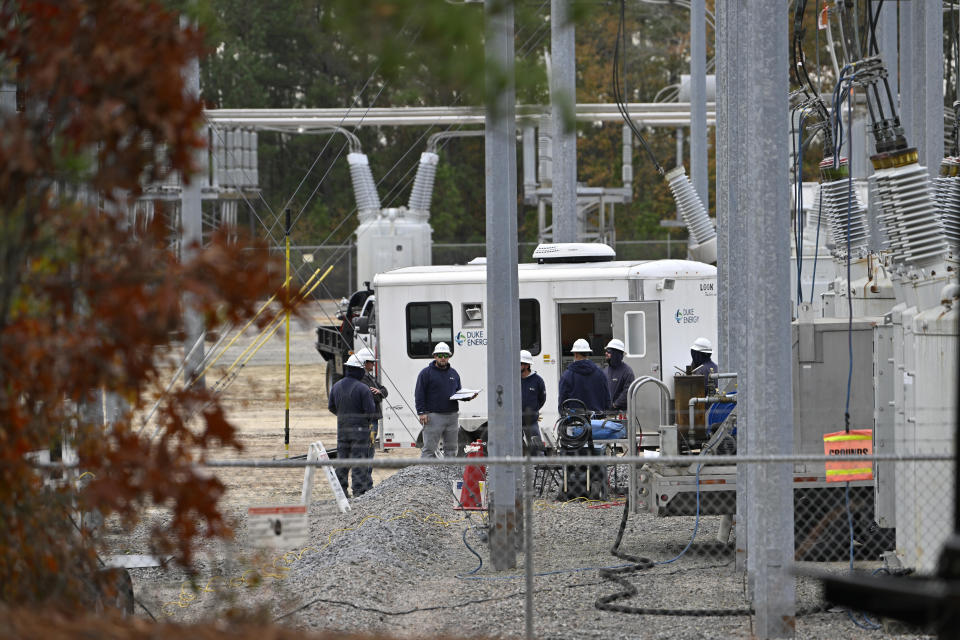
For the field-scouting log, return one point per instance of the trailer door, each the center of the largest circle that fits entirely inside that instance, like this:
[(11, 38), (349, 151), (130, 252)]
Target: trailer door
[(638, 325)]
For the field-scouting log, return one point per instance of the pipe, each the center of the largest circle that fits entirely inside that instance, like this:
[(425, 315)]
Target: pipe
[(627, 151), (706, 400), (723, 376)]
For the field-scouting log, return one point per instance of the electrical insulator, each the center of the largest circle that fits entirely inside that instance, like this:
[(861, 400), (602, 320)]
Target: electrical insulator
[(843, 209), (545, 151), (422, 190), (691, 207), (364, 188), (909, 217), (947, 192)]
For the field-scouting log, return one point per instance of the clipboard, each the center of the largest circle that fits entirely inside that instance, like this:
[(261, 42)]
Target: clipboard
[(464, 394)]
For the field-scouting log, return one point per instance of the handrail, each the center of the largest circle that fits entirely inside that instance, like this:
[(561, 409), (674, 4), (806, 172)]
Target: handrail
[(632, 428)]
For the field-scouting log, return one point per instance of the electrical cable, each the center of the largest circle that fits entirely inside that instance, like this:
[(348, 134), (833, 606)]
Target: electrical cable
[(606, 603), (816, 245), (798, 183), (870, 625), (533, 41), (471, 550), (800, 70), (846, 416), (622, 101)]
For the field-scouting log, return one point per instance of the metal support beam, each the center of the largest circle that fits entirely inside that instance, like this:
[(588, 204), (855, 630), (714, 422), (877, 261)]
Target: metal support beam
[(731, 230), (648, 114), (502, 315), (191, 233), (766, 399), (563, 97), (923, 86), (698, 100), (888, 44)]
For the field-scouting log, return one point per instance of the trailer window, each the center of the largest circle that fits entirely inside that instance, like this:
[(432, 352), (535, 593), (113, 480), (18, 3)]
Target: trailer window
[(530, 326), (636, 333), (427, 324)]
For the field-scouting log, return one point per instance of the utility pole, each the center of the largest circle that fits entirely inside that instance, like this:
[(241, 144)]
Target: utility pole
[(502, 315), (766, 418), (563, 99), (191, 236), (698, 100)]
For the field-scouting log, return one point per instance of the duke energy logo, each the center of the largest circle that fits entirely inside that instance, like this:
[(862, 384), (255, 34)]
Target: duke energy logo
[(470, 338), (686, 316)]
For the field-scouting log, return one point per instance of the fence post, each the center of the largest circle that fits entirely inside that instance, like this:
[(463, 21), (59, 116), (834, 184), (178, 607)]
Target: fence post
[(767, 411)]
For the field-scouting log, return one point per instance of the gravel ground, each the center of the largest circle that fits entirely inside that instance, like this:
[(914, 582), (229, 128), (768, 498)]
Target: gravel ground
[(398, 564)]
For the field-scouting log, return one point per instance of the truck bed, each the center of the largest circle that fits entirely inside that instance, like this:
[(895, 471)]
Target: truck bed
[(330, 341)]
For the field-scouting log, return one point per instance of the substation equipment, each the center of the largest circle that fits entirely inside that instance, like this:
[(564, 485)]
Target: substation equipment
[(887, 318)]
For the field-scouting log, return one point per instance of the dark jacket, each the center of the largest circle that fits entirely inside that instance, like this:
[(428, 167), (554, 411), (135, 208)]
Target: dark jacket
[(371, 381), (704, 367), (434, 388), (352, 403), (619, 376), (585, 381), (533, 394)]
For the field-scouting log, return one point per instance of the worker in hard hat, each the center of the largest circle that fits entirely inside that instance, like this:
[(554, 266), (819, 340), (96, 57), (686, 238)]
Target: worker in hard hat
[(533, 395), (352, 402), (619, 374), (702, 364), (439, 415), (584, 381), (369, 360)]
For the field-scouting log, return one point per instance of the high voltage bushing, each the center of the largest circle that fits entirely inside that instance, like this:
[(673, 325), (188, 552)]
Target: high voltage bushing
[(422, 191), (842, 209), (364, 188), (915, 235), (691, 207), (947, 192)]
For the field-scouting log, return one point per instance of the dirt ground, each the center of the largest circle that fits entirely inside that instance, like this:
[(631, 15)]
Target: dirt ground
[(255, 403)]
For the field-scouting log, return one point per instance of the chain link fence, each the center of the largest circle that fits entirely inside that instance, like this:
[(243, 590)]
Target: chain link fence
[(580, 557)]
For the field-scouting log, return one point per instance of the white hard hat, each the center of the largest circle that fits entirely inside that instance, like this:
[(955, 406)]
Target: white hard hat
[(366, 355), (526, 357), (702, 345), (441, 348), (581, 346), (354, 361), (616, 344)]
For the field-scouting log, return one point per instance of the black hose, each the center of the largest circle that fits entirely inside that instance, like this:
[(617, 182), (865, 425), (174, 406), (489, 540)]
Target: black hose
[(570, 441), (606, 603)]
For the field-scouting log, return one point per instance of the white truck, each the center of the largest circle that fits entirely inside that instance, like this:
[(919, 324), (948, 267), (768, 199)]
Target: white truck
[(657, 307)]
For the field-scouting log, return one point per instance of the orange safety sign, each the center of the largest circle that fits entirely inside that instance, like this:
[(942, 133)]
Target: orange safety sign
[(856, 442)]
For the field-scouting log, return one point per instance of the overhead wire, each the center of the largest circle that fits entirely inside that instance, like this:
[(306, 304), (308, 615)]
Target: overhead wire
[(619, 97), (530, 45), (356, 99)]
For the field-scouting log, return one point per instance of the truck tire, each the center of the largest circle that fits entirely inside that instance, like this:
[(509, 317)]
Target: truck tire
[(332, 375)]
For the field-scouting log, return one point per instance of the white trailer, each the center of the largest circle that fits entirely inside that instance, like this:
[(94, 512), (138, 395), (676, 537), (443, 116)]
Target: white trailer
[(658, 308)]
